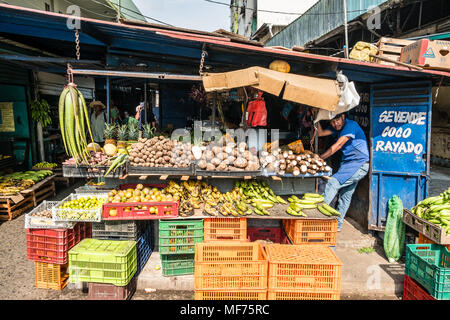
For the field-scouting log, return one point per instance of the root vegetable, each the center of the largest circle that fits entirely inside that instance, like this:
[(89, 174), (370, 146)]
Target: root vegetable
[(240, 163)]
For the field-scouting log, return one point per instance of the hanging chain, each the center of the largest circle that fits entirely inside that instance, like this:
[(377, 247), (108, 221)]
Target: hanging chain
[(202, 60), (69, 74), (77, 43)]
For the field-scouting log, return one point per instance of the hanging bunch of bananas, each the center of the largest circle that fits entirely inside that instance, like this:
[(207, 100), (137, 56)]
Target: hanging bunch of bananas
[(73, 121)]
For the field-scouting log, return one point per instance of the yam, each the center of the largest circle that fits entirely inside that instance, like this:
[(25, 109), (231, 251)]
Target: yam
[(252, 166), (313, 172), (215, 161), (222, 167), (210, 167), (295, 171), (303, 169), (240, 162)]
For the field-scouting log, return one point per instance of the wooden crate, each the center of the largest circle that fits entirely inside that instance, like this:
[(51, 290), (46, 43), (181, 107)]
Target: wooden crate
[(391, 48), (11, 208), (42, 190)]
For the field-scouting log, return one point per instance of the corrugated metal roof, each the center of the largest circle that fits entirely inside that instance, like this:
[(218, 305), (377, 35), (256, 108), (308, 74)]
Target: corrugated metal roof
[(323, 17), (165, 48)]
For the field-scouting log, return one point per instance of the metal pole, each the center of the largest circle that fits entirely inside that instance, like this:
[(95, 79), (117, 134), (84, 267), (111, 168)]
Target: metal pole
[(108, 92), (145, 103), (118, 13), (346, 28), (214, 114)]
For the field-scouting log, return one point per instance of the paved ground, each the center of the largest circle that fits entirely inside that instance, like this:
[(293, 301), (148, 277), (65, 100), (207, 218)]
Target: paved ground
[(364, 276)]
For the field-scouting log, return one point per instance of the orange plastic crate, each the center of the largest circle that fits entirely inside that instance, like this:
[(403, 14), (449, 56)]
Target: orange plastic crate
[(312, 231), (51, 276), (227, 251), (239, 266), (224, 229), (296, 295), (231, 295), (303, 268), (423, 239)]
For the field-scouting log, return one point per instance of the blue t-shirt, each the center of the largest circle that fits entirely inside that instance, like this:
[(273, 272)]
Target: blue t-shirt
[(355, 151)]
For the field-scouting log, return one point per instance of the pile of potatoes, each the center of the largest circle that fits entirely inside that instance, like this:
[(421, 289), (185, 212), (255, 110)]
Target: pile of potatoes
[(228, 157), (43, 214), (296, 163), (160, 152)]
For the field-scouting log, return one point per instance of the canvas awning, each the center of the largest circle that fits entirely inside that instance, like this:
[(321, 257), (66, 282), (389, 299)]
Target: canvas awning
[(315, 92)]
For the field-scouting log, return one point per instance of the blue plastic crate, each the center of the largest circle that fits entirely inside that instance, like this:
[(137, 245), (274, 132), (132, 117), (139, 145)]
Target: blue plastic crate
[(144, 248)]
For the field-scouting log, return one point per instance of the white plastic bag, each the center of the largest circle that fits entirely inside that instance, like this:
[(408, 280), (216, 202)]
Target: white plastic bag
[(349, 99)]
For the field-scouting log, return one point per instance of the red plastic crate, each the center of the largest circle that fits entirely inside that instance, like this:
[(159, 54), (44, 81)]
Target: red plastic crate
[(273, 234), (413, 291), (165, 209), (52, 245)]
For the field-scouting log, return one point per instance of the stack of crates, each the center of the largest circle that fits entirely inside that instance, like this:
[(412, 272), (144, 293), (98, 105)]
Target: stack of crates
[(303, 272), (230, 270), (177, 239), (311, 231), (49, 249), (225, 229), (428, 266), (139, 231), (109, 266)]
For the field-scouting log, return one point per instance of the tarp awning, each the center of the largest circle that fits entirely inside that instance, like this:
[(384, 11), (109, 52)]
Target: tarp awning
[(315, 92)]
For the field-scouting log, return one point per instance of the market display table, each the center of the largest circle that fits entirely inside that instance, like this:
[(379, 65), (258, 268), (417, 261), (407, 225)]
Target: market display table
[(11, 206), (41, 190)]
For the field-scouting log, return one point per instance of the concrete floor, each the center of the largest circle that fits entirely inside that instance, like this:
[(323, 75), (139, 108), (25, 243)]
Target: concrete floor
[(364, 276)]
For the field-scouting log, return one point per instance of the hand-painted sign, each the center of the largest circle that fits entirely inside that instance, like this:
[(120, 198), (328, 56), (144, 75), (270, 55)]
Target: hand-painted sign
[(399, 138)]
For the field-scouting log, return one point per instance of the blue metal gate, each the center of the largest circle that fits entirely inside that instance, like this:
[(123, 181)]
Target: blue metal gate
[(400, 146)]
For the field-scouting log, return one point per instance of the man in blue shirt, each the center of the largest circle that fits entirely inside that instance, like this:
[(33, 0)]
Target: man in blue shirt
[(354, 164)]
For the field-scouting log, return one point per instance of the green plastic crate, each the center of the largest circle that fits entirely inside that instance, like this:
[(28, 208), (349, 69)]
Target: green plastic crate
[(177, 264), (103, 261), (429, 265), (179, 237)]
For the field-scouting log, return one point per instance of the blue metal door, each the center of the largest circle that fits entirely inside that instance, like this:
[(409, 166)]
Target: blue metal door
[(400, 146)]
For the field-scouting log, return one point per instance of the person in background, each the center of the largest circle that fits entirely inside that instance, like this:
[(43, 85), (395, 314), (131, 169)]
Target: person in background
[(140, 114), (128, 119), (304, 121), (285, 112), (115, 113), (97, 122), (354, 164)]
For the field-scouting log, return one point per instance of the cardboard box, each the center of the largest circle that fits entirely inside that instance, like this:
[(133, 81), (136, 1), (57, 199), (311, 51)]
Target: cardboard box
[(312, 91), (432, 54)]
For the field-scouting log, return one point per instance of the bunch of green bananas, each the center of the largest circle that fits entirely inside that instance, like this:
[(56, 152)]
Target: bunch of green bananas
[(258, 194), (435, 210), (45, 164)]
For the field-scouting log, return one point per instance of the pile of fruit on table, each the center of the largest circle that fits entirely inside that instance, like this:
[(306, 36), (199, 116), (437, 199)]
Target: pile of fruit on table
[(13, 183), (46, 165)]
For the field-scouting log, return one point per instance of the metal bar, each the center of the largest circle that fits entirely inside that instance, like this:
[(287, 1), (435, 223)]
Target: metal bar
[(145, 103), (108, 92), (46, 59), (346, 29), (161, 76)]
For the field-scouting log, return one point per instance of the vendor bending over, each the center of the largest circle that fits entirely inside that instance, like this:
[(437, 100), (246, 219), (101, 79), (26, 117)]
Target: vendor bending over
[(354, 165)]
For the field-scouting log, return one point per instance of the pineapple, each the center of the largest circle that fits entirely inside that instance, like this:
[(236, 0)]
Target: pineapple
[(110, 133), (122, 133), (133, 132), (148, 131)]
